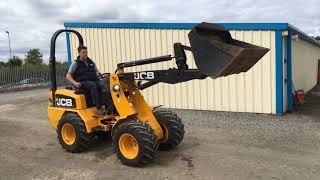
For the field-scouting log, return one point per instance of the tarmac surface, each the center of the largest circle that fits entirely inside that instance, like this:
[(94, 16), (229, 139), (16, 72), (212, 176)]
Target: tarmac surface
[(217, 145)]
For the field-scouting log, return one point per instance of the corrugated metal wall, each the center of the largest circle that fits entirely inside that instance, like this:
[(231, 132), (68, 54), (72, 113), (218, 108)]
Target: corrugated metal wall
[(304, 64), (253, 91)]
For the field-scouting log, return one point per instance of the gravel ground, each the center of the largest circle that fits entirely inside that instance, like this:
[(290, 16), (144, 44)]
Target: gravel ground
[(217, 145)]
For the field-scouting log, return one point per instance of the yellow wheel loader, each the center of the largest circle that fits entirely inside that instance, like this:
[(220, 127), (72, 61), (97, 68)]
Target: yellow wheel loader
[(139, 130)]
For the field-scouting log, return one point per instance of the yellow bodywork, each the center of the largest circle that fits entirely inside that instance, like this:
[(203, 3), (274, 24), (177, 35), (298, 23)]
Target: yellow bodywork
[(133, 106), (86, 114), (130, 107)]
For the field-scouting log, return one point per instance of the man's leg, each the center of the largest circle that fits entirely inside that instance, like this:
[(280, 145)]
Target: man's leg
[(107, 99), (92, 88), (99, 94)]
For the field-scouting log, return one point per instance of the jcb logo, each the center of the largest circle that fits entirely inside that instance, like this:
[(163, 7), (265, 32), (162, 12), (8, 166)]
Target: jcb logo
[(143, 75), (64, 102)]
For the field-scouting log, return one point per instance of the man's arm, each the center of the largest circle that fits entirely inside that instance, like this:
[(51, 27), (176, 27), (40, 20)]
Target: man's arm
[(97, 71), (69, 77), (71, 80)]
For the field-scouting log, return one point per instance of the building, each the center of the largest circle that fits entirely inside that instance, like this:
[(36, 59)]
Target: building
[(265, 88)]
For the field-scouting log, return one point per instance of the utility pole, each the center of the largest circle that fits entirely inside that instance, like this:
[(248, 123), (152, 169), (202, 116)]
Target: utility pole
[(9, 43)]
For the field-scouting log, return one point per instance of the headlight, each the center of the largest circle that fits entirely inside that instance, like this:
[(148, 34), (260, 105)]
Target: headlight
[(116, 88)]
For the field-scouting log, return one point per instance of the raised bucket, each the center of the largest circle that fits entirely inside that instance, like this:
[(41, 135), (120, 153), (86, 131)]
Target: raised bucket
[(217, 54)]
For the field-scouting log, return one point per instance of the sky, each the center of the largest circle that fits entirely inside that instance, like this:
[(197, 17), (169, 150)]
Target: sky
[(31, 23)]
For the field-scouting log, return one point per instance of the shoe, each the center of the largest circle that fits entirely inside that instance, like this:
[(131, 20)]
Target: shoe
[(101, 112)]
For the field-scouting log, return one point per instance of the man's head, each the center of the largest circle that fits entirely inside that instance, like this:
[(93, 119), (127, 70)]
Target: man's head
[(83, 54)]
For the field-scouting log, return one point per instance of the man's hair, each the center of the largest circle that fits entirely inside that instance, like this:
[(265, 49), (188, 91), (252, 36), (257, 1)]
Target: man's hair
[(80, 48)]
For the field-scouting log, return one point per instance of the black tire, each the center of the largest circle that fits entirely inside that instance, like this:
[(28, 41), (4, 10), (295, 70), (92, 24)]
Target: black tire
[(146, 140), (82, 140), (175, 128)]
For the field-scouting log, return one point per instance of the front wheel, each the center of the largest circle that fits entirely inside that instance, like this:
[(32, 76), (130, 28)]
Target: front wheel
[(172, 126), (135, 143)]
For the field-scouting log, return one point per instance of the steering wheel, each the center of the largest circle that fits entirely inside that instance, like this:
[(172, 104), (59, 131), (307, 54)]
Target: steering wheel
[(103, 75)]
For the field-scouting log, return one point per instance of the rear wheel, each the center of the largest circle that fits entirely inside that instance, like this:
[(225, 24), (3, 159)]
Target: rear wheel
[(172, 127), (135, 143), (72, 134)]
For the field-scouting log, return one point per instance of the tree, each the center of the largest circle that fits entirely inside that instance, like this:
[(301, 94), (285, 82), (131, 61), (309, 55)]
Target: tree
[(14, 61), (34, 57), (317, 38), (2, 64)]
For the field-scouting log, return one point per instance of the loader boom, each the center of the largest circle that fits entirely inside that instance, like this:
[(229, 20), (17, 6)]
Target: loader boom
[(171, 76)]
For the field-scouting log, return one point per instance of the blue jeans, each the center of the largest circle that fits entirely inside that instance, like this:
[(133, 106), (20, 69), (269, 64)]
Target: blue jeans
[(95, 91)]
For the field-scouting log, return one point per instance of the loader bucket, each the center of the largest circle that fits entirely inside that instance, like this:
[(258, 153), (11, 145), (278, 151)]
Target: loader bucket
[(217, 54)]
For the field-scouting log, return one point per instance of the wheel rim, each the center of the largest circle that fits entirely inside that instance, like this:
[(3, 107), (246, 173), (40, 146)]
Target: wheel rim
[(165, 133), (128, 146), (68, 134)]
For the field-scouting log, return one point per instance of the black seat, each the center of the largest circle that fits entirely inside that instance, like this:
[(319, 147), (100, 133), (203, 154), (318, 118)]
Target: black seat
[(76, 90), (69, 87), (80, 91)]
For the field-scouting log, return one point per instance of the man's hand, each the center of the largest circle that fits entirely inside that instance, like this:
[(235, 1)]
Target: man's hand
[(100, 77), (72, 81), (77, 84)]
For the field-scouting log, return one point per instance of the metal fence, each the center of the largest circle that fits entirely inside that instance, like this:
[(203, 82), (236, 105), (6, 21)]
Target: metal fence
[(29, 77)]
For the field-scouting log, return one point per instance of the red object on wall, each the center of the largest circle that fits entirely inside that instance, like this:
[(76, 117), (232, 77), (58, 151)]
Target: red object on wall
[(300, 96)]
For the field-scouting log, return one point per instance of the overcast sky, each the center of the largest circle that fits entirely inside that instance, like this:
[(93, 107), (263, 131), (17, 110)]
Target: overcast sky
[(32, 22)]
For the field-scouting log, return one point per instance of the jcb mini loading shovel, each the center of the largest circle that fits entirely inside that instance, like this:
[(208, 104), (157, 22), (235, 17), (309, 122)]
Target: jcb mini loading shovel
[(137, 129)]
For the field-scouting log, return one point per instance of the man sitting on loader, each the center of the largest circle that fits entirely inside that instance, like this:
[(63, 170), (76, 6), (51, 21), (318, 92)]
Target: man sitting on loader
[(83, 73)]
